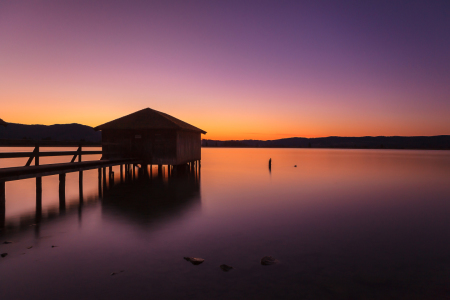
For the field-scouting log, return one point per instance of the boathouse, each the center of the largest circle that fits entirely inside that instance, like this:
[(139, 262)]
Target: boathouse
[(3, 123), (152, 136)]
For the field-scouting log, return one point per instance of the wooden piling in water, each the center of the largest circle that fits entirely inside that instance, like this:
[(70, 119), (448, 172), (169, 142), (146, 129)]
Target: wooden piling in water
[(159, 170), (38, 193), (104, 179), (2, 204), (100, 182), (80, 186), (62, 191)]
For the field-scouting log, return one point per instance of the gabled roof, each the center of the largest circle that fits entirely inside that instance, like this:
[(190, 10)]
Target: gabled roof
[(148, 119), (3, 123)]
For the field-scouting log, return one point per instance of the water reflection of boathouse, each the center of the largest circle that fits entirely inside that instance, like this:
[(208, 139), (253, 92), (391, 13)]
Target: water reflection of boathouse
[(153, 199)]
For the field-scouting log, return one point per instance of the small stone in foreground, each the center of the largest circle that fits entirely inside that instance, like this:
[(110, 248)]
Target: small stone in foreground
[(226, 268), (194, 260), (3, 254), (53, 246), (268, 260), (115, 273), (30, 247), (7, 242)]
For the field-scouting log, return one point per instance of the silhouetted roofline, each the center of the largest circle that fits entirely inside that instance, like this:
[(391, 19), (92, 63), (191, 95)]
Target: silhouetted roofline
[(148, 118)]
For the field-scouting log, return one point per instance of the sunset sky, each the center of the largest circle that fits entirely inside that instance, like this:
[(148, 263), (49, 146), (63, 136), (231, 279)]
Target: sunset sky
[(236, 69)]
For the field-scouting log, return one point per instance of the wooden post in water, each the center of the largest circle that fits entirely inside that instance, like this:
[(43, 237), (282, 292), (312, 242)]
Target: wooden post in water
[(62, 191), (110, 173), (38, 194), (99, 182), (2, 204), (134, 171), (121, 173), (80, 186), (104, 179), (38, 212)]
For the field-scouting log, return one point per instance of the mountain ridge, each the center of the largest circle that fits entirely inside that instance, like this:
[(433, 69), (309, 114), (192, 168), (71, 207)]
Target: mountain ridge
[(73, 132)]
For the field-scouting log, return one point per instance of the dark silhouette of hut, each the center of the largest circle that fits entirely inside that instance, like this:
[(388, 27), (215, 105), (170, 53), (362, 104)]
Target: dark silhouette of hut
[(3, 123), (155, 137)]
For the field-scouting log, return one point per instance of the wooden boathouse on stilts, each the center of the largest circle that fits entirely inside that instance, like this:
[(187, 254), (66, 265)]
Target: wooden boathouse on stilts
[(153, 137)]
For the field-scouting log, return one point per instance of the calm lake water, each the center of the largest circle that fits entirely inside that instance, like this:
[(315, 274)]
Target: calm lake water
[(344, 224)]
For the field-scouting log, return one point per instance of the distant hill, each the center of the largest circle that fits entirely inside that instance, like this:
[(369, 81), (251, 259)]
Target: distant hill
[(367, 142), (51, 133)]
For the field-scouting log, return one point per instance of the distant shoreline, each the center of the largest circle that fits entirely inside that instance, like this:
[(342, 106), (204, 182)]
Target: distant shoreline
[(440, 142)]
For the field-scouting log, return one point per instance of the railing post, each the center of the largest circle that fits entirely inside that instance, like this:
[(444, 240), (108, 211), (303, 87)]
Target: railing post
[(79, 155), (36, 156)]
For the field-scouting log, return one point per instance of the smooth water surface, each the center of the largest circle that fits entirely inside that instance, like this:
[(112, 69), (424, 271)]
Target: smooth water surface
[(344, 224)]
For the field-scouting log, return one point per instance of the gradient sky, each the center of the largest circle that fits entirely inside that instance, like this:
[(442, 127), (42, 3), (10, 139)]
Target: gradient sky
[(236, 69)]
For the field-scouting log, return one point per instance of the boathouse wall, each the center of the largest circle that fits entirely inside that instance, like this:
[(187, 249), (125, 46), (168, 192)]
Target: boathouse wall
[(158, 147), (189, 146)]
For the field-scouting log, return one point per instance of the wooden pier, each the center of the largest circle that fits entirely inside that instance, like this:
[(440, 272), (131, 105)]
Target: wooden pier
[(128, 167)]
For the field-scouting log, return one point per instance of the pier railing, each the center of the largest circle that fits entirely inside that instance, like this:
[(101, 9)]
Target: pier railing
[(36, 154)]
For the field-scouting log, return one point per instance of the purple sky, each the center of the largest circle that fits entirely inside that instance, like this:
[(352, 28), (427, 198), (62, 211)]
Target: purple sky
[(237, 69)]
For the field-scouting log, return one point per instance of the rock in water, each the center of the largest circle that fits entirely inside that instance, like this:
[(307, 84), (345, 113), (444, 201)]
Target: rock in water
[(268, 260), (3, 254), (7, 242), (226, 268), (194, 260)]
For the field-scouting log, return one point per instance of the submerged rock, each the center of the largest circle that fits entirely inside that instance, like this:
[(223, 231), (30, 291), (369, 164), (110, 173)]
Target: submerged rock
[(295, 166), (30, 247), (53, 246), (7, 242), (268, 260), (226, 268), (115, 273), (194, 260), (3, 254)]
